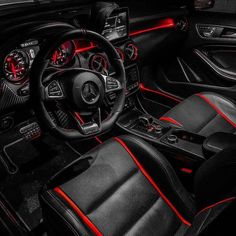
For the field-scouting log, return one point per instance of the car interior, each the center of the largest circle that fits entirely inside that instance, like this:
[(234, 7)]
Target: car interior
[(117, 117)]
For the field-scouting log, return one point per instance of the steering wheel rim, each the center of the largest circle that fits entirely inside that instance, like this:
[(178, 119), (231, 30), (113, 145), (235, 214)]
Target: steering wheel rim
[(37, 89)]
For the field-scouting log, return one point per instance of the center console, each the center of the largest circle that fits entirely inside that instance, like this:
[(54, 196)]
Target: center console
[(182, 147)]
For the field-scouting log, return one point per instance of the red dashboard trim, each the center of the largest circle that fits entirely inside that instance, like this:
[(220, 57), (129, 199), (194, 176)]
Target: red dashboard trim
[(162, 24), (85, 49)]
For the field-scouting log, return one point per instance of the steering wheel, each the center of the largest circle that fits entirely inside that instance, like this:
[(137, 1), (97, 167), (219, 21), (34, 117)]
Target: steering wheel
[(81, 89)]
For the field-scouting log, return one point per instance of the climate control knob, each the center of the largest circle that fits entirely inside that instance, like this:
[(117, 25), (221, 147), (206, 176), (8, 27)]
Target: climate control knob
[(131, 52)]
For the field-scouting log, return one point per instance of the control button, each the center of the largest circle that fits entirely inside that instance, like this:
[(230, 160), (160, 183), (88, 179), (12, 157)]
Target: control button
[(111, 83), (31, 131), (172, 139), (54, 90)]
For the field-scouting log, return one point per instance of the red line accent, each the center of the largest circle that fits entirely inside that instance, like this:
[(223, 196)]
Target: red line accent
[(216, 109), (143, 88), (79, 117), (162, 24), (145, 173), (85, 219), (186, 170), (171, 120), (84, 49), (216, 204), (98, 139)]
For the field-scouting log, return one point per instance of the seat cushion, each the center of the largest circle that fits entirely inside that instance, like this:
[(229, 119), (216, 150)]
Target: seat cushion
[(204, 113), (122, 187)]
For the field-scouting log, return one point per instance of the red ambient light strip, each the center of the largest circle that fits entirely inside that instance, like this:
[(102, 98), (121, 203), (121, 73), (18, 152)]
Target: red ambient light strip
[(143, 88), (162, 24)]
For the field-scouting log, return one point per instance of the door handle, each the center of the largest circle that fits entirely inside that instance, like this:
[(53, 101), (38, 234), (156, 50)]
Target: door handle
[(216, 32), (209, 31)]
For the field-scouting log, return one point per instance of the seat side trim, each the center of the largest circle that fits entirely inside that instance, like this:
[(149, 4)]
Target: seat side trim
[(84, 218), (216, 109), (216, 204), (149, 178)]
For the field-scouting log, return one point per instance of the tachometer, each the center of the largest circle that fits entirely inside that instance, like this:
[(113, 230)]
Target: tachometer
[(63, 55), (16, 65)]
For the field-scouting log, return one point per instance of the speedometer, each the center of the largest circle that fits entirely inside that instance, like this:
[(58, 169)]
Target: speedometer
[(63, 55), (16, 65)]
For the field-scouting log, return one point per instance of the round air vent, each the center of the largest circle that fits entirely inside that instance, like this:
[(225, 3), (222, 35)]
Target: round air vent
[(99, 63), (131, 52)]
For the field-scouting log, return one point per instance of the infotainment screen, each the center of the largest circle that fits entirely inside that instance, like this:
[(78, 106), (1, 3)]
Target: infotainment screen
[(116, 26)]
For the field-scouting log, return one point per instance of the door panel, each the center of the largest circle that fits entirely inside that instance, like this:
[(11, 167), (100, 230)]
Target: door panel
[(206, 60)]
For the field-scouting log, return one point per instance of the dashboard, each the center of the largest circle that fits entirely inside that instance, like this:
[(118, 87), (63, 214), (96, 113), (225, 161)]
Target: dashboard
[(16, 63), (75, 53), (135, 39)]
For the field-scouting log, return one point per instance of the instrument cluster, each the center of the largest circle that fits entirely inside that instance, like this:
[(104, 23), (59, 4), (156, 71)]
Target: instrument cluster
[(74, 53), (18, 62)]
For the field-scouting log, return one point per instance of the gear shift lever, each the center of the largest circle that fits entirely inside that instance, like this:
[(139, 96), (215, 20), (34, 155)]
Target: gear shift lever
[(146, 120), (149, 124)]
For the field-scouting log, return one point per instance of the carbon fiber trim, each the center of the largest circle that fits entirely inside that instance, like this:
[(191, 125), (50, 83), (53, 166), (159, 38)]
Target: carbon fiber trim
[(9, 98)]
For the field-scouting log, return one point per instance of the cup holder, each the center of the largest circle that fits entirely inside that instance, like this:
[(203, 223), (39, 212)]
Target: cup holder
[(188, 137)]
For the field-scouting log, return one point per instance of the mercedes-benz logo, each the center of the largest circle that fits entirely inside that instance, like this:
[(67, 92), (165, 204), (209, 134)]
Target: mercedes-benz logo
[(90, 92)]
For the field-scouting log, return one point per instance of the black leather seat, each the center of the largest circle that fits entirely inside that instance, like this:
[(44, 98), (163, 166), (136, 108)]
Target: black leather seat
[(204, 113), (126, 187)]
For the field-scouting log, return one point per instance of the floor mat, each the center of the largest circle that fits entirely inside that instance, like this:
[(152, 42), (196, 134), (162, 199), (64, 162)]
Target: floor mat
[(21, 189)]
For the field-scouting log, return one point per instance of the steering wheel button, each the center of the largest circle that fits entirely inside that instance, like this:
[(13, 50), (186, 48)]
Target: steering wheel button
[(57, 93)]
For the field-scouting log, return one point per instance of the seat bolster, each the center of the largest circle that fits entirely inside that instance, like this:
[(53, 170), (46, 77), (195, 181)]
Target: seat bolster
[(162, 173), (223, 106), (206, 220), (203, 113)]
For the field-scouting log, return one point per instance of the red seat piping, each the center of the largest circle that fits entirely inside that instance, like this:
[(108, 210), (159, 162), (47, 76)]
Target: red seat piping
[(84, 218), (216, 109), (171, 120), (149, 178), (217, 204)]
